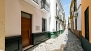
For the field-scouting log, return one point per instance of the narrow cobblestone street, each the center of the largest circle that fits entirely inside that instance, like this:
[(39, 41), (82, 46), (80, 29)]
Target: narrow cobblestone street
[(64, 42)]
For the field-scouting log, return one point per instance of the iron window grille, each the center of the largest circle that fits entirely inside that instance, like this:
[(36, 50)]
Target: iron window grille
[(45, 5)]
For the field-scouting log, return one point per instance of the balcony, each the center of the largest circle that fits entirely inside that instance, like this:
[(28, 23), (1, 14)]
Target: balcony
[(57, 17), (34, 3), (45, 5), (60, 20)]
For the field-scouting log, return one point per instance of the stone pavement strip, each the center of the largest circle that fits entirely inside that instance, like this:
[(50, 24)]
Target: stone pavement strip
[(64, 42)]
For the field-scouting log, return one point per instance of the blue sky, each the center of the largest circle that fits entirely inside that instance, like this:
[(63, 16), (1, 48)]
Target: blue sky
[(66, 7)]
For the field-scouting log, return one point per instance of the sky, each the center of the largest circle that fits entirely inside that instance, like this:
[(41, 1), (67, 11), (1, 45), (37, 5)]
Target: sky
[(66, 7)]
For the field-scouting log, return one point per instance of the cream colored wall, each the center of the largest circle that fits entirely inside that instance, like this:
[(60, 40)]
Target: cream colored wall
[(2, 24), (36, 15), (12, 18)]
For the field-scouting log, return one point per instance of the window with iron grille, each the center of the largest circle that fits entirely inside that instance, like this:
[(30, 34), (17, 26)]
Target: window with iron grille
[(44, 24), (56, 25), (76, 23), (56, 9), (45, 5), (75, 5)]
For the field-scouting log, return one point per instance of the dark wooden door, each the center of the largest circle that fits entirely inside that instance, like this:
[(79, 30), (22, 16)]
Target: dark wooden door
[(87, 23), (26, 30), (56, 25)]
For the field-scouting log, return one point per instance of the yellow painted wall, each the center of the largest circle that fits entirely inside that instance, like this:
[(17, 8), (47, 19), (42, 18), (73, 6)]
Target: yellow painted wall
[(85, 4), (2, 24)]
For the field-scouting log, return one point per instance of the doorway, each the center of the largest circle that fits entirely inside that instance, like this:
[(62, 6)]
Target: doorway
[(44, 24), (56, 25), (26, 29), (86, 14)]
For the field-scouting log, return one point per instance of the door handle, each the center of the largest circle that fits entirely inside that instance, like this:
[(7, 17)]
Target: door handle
[(29, 33)]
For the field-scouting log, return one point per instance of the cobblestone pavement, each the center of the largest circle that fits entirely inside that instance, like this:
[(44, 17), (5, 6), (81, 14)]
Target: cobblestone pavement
[(64, 42)]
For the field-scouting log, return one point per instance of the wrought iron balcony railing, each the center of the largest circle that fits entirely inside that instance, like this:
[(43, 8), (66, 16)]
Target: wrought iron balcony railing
[(36, 1), (45, 5)]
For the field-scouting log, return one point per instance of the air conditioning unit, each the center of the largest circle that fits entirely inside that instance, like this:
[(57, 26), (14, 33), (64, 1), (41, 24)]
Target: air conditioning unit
[(76, 14)]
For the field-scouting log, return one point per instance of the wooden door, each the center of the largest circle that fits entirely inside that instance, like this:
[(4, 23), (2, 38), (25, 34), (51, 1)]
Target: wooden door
[(87, 23), (26, 30)]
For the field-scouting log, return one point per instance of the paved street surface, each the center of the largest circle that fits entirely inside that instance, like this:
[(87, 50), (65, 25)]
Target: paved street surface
[(64, 42)]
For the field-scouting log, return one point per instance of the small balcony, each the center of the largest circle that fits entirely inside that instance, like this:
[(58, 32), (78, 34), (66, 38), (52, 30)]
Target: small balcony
[(60, 20), (45, 5), (57, 17), (34, 3)]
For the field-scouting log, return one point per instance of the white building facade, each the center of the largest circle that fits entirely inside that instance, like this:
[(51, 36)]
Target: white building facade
[(21, 13), (33, 20), (69, 22), (77, 17), (28, 6), (57, 14)]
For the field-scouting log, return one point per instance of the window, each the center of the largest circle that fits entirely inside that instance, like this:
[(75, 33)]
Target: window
[(43, 24), (76, 23), (36, 1), (75, 5), (56, 25), (45, 5), (56, 9)]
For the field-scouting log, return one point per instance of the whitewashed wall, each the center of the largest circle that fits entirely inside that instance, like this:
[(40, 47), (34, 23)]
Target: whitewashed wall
[(79, 15), (13, 17), (79, 19), (53, 14)]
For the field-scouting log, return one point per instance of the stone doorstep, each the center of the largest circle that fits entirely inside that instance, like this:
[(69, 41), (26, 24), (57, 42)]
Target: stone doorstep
[(27, 47)]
